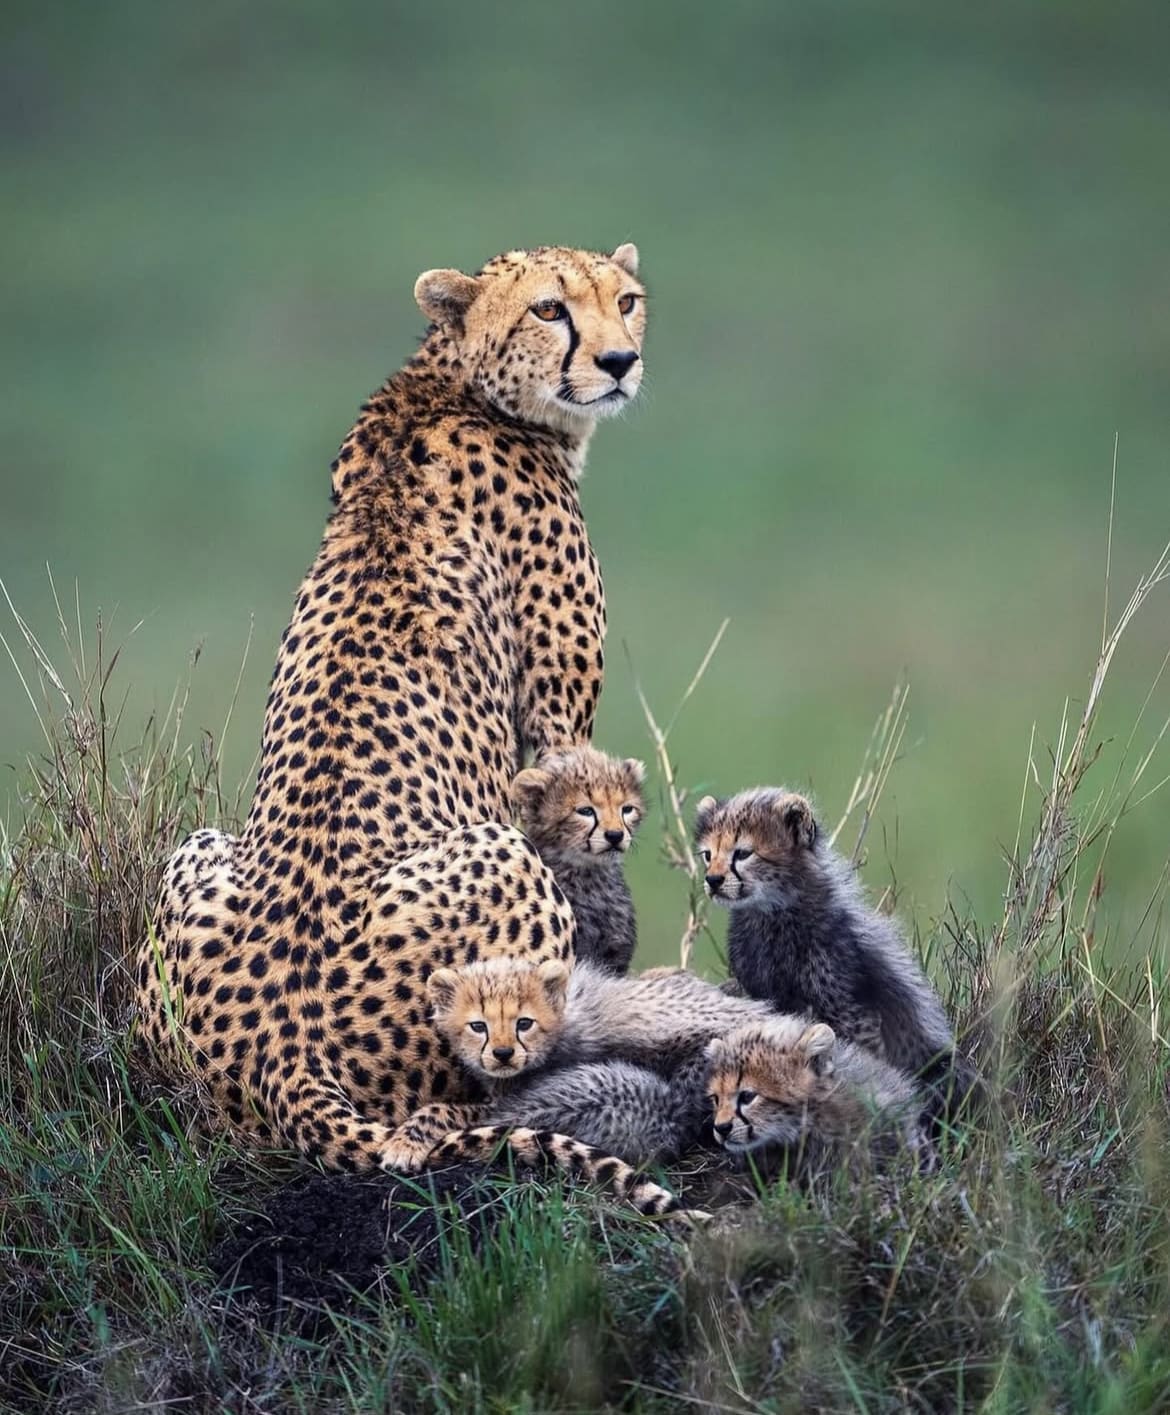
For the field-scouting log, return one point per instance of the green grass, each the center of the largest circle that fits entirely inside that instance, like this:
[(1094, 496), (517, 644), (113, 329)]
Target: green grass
[(1029, 1271)]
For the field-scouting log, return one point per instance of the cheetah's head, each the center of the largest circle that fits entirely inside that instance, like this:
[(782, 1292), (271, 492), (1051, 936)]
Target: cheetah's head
[(552, 336), (501, 1016), (757, 848), (767, 1080), (580, 804)]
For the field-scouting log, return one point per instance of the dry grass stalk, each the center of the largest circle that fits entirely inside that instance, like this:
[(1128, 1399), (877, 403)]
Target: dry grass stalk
[(676, 841), (881, 753)]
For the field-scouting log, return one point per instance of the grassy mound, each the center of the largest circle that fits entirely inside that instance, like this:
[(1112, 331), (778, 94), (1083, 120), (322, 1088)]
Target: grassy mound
[(1029, 1271)]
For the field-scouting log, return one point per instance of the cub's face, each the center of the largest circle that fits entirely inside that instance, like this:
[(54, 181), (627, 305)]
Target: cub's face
[(755, 847), (501, 1016), (580, 804), (552, 336), (766, 1083)]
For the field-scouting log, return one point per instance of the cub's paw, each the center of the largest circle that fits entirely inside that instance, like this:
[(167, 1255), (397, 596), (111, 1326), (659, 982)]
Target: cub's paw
[(690, 1218)]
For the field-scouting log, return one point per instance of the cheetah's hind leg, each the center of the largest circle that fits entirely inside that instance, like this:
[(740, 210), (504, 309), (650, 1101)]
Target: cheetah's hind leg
[(314, 1115)]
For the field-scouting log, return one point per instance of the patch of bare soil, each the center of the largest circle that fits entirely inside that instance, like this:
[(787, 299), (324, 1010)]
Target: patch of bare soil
[(322, 1240)]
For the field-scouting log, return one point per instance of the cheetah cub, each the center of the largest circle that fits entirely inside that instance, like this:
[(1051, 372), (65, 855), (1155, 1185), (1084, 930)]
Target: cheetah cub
[(803, 936), (580, 808), (615, 1062), (502, 1016), (788, 1083), (617, 1106)]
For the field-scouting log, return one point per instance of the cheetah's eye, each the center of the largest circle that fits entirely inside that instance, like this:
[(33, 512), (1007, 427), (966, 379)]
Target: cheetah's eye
[(524, 1024), (743, 853), (587, 811), (548, 310), (628, 811), (746, 1097), (480, 1027), (706, 854), (626, 304)]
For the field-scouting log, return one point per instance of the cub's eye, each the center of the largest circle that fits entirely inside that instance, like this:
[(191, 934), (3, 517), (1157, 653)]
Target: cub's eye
[(743, 853), (587, 811), (746, 1097), (628, 810), (706, 856), (626, 304), (524, 1024), (548, 310), (480, 1027)]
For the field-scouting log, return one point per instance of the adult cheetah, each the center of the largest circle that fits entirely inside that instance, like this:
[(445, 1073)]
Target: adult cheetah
[(453, 618)]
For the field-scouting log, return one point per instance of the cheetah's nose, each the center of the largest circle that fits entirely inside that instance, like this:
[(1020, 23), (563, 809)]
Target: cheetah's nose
[(723, 1129), (617, 363), (715, 883), (503, 1053), (615, 837)]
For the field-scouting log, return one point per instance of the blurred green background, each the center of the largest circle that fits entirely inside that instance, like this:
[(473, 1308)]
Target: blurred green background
[(910, 273)]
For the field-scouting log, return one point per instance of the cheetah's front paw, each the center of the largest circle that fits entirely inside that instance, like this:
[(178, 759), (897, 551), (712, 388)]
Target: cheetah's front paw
[(403, 1156)]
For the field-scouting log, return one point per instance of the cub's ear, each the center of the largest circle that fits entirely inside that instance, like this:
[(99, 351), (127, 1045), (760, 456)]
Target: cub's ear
[(445, 296), (715, 1050), (626, 256), (528, 788), (703, 813), (817, 1042), (634, 769), (554, 978), (797, 817), (442, 986)]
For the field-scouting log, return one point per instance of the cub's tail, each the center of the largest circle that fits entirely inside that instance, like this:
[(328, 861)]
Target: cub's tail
[(535, 1147)]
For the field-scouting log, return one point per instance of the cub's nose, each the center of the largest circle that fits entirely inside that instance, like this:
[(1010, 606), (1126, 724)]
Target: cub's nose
[(617, 363), (723, 1129), (503, 1053), (715, 883), (615, 837)]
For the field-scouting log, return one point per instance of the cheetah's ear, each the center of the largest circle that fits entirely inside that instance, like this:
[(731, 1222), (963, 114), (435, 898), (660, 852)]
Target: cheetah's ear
[(554, 978), (442, 986), (445, 296), (635, 769), (528, 788), (797, 816), (626, 256), (817, 1043)]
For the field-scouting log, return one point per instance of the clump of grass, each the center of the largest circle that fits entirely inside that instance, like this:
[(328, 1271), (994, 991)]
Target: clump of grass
[(1030, 1270), (100, 810), (94, 1187)]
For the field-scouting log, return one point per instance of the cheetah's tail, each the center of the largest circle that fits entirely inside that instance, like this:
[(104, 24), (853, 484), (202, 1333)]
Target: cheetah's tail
[(532, 1147)]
